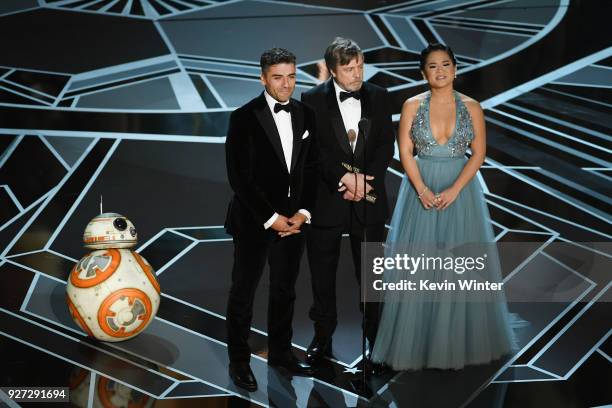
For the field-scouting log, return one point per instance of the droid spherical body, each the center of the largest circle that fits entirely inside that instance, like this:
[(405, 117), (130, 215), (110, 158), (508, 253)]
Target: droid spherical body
[(112, 292)]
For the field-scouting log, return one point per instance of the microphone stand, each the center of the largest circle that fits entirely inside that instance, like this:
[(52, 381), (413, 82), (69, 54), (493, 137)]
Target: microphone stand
[(351, 137), (363, 124), (361, 386)]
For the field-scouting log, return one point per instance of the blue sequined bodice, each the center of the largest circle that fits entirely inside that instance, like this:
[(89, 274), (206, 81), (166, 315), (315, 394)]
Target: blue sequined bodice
[(459, 141)]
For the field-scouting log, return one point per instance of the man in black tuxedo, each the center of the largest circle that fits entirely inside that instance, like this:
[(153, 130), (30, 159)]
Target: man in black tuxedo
[(271, 167), (356, 137)]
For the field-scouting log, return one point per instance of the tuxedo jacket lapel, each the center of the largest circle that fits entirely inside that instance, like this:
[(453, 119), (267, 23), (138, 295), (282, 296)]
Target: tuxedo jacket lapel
[(264, 116), (297, 124), (336, 118)]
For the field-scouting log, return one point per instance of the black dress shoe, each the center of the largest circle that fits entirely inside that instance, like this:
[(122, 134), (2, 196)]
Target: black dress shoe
[(318, 349), (242, 376), (291, 363)]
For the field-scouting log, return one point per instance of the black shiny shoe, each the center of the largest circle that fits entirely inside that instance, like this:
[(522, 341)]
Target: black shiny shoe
[(291, 363), (242, 376), (319, 348)]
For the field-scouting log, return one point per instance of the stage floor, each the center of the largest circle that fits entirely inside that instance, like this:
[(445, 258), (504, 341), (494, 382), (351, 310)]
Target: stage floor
[(130, 99)]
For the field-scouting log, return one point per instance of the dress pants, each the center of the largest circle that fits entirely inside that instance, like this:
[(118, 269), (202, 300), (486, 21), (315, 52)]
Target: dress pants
[(283, 256), (323, 247)]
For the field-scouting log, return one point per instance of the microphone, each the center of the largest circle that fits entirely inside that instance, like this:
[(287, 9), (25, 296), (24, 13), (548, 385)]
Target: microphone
[(364, 126)]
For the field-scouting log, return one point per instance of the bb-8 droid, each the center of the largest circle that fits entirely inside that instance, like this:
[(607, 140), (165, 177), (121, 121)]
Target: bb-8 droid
[(112, 292)]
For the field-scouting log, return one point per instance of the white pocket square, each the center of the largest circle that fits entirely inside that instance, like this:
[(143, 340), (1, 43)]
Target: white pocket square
[(305, 135)]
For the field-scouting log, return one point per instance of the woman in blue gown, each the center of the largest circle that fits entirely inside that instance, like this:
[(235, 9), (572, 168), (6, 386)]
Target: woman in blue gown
[(441, 203)]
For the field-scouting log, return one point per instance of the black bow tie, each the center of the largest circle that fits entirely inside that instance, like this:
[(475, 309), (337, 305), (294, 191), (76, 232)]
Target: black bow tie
[(345, 95), (279, 107)]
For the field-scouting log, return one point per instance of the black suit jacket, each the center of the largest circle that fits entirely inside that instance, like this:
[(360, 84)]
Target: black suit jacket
[(372, 155), (257, 171)]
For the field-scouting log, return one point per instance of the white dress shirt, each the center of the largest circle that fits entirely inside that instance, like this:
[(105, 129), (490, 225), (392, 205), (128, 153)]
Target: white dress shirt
[(282, 120), (283, 125), (350, 110)]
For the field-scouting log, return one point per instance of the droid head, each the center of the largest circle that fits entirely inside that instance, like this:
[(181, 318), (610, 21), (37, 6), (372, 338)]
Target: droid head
[(110, 230)]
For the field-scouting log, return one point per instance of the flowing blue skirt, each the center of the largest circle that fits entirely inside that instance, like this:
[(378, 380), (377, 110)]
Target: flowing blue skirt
[(444, 329)]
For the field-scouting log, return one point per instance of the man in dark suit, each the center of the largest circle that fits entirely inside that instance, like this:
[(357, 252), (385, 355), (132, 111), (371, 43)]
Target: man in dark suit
[(271, 167), (356, 137)]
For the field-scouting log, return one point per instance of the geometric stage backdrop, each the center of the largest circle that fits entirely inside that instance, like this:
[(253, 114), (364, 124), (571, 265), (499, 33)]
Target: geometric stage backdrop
[(130, 100)]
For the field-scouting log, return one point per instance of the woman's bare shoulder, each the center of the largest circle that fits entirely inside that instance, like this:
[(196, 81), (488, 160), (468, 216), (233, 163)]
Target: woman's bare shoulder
[(471, 104), (413, 102), (469, 101)]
